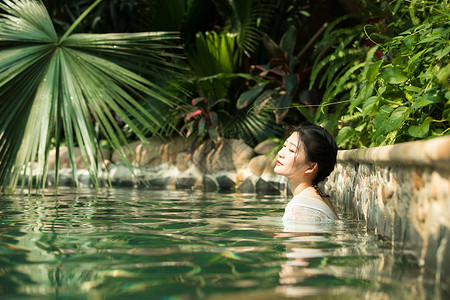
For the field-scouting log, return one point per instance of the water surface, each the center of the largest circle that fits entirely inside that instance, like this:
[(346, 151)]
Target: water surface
[(141, 244)]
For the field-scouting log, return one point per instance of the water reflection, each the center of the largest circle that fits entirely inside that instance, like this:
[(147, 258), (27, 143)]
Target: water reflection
[(152, 245), (326, 260)]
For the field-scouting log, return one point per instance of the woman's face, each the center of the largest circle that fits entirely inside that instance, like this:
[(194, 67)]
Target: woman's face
[(291, 159)]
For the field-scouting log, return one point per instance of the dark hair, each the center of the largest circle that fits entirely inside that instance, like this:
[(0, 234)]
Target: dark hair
[(320, 148)]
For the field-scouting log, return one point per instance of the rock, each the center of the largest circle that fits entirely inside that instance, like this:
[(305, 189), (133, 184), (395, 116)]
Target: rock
[(209, 184), (182, 183), (246, 186), (264, 187), (200, 157), (171, 149), (266, 147), (66, 178), (227, 155), (225, 183), (121, 176), (158, 183), (84, 179), (64, 160), (160, 152), (144, 155), (262, 164), (182, 161)]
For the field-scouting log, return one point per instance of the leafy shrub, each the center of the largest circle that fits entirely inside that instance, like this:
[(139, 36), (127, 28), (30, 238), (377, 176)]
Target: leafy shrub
[(399, 95)]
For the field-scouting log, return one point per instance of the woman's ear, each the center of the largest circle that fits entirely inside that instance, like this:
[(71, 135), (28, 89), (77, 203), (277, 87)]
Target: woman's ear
[(312, 168)]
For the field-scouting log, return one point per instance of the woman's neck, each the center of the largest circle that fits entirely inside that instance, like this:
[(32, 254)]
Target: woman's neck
[(298, 187)]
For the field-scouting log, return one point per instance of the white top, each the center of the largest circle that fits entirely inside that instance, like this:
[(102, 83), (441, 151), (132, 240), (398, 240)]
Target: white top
[(308, 209)]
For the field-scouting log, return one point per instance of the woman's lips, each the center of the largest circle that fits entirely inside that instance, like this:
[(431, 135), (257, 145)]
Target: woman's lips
[(279, 163)]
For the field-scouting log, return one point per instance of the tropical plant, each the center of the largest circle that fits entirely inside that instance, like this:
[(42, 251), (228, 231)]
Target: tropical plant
[(203, 118), (51, 87), (401, 95), (215, 60), (108, 16), (277, 85), (248, 20), (338, 71)]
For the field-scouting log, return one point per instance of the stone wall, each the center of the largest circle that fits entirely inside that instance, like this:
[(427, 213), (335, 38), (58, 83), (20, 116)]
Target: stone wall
[(228, 165), (402, 192)]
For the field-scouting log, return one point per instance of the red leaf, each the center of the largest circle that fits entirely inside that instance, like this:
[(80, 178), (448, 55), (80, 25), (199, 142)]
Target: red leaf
[(193, 114)]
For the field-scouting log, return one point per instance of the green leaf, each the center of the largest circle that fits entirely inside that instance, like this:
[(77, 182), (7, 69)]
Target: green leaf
[(282, 105), (288, 40), (248, 96), (381, 120), (442, 52), (213, 133), (263, 99), (393, 75), (422, 130), (290, 82), (412, 88), (214, 118), (425, 100), (201, 126), (373, 71), (250, 18), (369, 104), (397, 6), (306, 112), (396, 118), (344, 135)]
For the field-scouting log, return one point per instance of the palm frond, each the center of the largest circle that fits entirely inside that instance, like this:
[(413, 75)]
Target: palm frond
[(250, 127), (53, 89), (214, 60), (250, 18)]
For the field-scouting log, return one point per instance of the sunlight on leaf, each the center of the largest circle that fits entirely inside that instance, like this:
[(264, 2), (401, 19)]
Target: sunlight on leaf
[(59, 88)]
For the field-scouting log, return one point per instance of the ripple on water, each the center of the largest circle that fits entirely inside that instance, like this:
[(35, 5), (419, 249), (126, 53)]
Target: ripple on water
[(121, 243)]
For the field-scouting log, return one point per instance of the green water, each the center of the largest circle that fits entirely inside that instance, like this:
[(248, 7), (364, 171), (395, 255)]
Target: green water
[(137, 244)]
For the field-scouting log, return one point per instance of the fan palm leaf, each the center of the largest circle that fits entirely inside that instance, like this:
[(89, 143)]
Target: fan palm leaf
[(249, 19), (53, 87)]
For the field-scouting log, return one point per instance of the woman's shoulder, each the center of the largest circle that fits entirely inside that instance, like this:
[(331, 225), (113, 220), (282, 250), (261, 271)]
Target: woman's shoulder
[(303, 205)]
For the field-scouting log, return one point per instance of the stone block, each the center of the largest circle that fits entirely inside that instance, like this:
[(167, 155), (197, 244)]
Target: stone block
[(66, 178), (431, 253), (443, 256), (413, 240), (209, 184), (262, 164), (372, 214), (118, 182), (399, 231), (158, 183), (264, 187), (64, 160), (227, 155), (381, 221), (246, 186), (182, 161), (225, 183), (169, 150), (266, 147), (159, 152), (183, 183)]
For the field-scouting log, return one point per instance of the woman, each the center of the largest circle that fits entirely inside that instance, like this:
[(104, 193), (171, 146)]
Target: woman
[(308, 156)]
